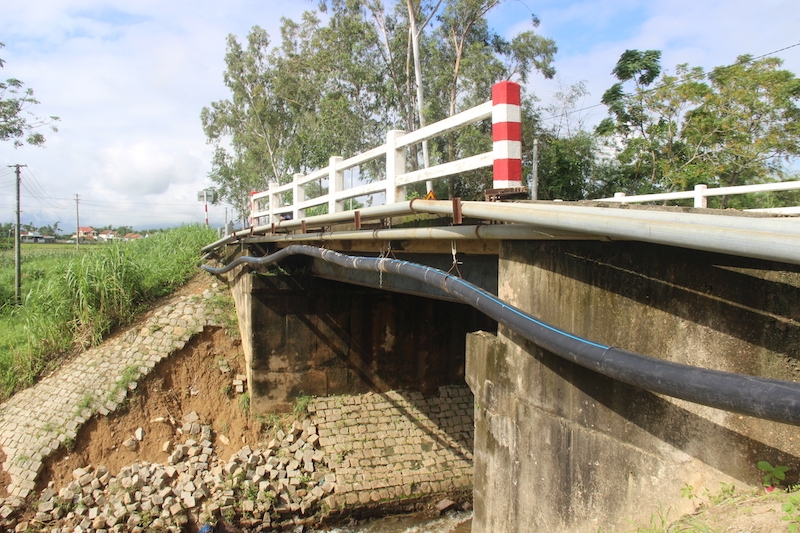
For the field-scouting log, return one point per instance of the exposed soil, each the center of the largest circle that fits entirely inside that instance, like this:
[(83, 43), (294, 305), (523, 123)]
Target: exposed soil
[(189, 380)]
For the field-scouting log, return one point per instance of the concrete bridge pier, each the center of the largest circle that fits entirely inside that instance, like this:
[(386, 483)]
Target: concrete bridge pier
[(560, 448)]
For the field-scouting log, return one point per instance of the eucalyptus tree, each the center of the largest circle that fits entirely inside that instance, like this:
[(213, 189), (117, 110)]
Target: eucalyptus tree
[(467, 58), (252, 131), (334, 88), (292, 106)]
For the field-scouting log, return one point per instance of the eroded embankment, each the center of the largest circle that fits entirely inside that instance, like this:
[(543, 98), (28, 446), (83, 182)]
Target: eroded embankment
[(184, 452)]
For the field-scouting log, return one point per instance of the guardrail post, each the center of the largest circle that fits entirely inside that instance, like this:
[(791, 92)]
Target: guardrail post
[(507, 135), (335, 184), (273, 202), (700, 198), (395, 166), (252, 209), (298, 195)]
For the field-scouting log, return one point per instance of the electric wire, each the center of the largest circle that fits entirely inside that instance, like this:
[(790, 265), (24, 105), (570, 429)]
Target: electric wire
[(568, 113)]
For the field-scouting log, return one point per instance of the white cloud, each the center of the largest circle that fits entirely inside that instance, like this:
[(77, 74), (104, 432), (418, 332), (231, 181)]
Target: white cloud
[(145, 168)]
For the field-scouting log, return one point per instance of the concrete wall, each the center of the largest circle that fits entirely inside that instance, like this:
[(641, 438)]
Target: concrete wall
[(317, 337), (560, 448)]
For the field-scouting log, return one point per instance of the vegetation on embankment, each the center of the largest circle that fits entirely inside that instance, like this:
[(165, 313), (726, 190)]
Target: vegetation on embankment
[(72, 298), (754, 510)]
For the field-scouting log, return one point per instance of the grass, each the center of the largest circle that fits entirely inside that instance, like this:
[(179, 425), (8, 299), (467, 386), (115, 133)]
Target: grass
[(729, 509), (73, 298), (300, 407), (244, 402), (228, 316)]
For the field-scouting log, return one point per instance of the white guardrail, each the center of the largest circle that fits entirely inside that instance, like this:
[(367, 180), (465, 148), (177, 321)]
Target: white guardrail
[(505, 157), (701, 193), (268, 206)]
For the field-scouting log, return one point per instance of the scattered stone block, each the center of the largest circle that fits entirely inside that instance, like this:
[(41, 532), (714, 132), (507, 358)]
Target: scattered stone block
[(444, 505)]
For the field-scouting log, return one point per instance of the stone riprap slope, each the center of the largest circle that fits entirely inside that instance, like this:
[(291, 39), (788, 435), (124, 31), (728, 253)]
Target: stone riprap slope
[(35, 422), (286, 478), (351, 452)]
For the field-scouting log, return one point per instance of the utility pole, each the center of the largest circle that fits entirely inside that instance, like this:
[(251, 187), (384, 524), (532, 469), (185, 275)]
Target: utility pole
[(205, 201), (77, 222), (17, 254), (535, 171)]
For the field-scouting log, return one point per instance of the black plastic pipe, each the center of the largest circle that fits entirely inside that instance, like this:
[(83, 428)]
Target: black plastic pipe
[(765, 398)]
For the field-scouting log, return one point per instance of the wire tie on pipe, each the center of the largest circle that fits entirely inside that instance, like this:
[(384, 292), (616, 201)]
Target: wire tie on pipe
[(456, 262)]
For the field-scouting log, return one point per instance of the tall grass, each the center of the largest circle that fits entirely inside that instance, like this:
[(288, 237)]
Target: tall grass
[(78, 298)]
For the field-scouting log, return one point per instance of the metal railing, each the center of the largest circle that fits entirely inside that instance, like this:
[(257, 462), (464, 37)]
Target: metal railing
[(701, 193)]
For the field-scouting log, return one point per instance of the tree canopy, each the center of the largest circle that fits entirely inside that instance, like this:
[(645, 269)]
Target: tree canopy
[(335, 88), (734, 125), (336, 80), (17, 123)]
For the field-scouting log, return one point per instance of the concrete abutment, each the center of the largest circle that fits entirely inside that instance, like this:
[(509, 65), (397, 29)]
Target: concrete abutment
[(561, 448)]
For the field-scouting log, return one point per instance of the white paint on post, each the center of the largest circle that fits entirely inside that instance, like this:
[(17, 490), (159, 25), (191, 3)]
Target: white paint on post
[(395, 166), (335, 184), (298, 196), (700, 199)]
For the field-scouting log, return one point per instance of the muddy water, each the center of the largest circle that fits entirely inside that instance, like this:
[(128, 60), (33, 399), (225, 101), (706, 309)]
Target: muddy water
[(460, 522)]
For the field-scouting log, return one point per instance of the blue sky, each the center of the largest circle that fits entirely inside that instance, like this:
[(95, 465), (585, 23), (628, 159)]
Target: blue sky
[(129, 79)]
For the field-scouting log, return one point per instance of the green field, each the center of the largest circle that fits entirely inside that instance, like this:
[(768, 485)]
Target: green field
[(72, 298)]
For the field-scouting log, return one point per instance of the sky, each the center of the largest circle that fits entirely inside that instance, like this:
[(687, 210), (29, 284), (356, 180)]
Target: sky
[(129, 79)]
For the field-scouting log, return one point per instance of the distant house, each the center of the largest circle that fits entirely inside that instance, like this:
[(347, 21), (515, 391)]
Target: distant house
[(108, 235), (85, 233), (132, 236), (35, 236)]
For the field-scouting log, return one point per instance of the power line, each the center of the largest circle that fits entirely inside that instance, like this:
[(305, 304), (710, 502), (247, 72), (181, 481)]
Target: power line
[(112, 203), (45, 200), (41, 191), (562, 115), (776, 51)]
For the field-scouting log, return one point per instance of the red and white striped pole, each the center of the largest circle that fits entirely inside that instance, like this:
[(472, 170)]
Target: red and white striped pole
[(252, 208), (507, 135)]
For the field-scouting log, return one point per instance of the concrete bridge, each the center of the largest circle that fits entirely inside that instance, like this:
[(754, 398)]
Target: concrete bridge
[(525, 301)]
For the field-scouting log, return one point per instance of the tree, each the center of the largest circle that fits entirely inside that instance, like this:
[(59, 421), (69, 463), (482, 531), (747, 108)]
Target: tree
[(17, 123), (50, 230), (735, 125), (335, 88), (293, 106), (466, 58), (748, 122)]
